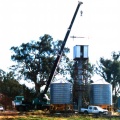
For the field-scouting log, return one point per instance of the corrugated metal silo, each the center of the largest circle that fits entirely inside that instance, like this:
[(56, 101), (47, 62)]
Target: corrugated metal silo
[(101, 93), (61, 92)]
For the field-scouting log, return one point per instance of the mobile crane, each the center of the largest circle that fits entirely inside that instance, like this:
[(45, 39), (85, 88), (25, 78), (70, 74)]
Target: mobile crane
[(60, 53)]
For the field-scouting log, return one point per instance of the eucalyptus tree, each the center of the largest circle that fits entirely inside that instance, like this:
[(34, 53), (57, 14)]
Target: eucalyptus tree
[(35, 59), (9, 86), (109, 70)]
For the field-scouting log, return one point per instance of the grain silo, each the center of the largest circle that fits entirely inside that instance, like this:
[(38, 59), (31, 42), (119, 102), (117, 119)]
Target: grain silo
[(101, 93), (61, 95)]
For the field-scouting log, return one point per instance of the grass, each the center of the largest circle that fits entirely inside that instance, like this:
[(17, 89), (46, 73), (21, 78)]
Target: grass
[(40, 115)]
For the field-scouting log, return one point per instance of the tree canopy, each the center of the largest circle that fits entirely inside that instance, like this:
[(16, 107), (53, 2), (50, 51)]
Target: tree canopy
[(109, 70), (9, 85), (35, 59)]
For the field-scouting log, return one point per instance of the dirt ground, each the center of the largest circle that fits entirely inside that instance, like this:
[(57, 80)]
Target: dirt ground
[(9, 114), (16, 114)]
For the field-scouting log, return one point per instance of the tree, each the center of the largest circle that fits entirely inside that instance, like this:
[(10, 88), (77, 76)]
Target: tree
[(109, 69), (34, 60), (10, 86), (28, 93), (2, 74)]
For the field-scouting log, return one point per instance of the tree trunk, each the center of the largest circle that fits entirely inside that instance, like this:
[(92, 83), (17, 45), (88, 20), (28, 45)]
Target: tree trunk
[(37, 88)]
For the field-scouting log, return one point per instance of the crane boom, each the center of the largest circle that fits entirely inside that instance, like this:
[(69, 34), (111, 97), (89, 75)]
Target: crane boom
[(61, 50)]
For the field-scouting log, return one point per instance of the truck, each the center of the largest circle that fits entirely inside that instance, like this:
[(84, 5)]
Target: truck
[(20, 104), (94, 110), (41, 105), (57, 60)]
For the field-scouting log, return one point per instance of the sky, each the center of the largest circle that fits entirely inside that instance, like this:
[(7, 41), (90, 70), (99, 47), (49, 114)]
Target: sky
[(24, 20)]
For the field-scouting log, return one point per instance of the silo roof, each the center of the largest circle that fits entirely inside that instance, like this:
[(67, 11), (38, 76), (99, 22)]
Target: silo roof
[(61, 80), (100, 81)]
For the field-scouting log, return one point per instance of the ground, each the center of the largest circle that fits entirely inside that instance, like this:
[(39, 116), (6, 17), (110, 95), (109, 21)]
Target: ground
[(43, 115)]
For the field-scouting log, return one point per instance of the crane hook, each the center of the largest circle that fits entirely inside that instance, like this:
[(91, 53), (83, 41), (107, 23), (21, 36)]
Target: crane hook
[(81, 12)]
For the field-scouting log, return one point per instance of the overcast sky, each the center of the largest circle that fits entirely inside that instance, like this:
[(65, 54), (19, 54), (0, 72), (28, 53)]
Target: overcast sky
[(24, 20)]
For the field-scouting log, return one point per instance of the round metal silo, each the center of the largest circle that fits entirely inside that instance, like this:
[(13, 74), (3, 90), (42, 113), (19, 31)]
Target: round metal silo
[(61, 92), (101, 93)]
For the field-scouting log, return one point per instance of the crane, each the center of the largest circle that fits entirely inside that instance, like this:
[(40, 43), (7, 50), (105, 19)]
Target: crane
[(61, 50)]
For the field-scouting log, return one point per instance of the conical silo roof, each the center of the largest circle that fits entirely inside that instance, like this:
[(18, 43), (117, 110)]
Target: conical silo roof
[(100, 81), (61, 80)]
